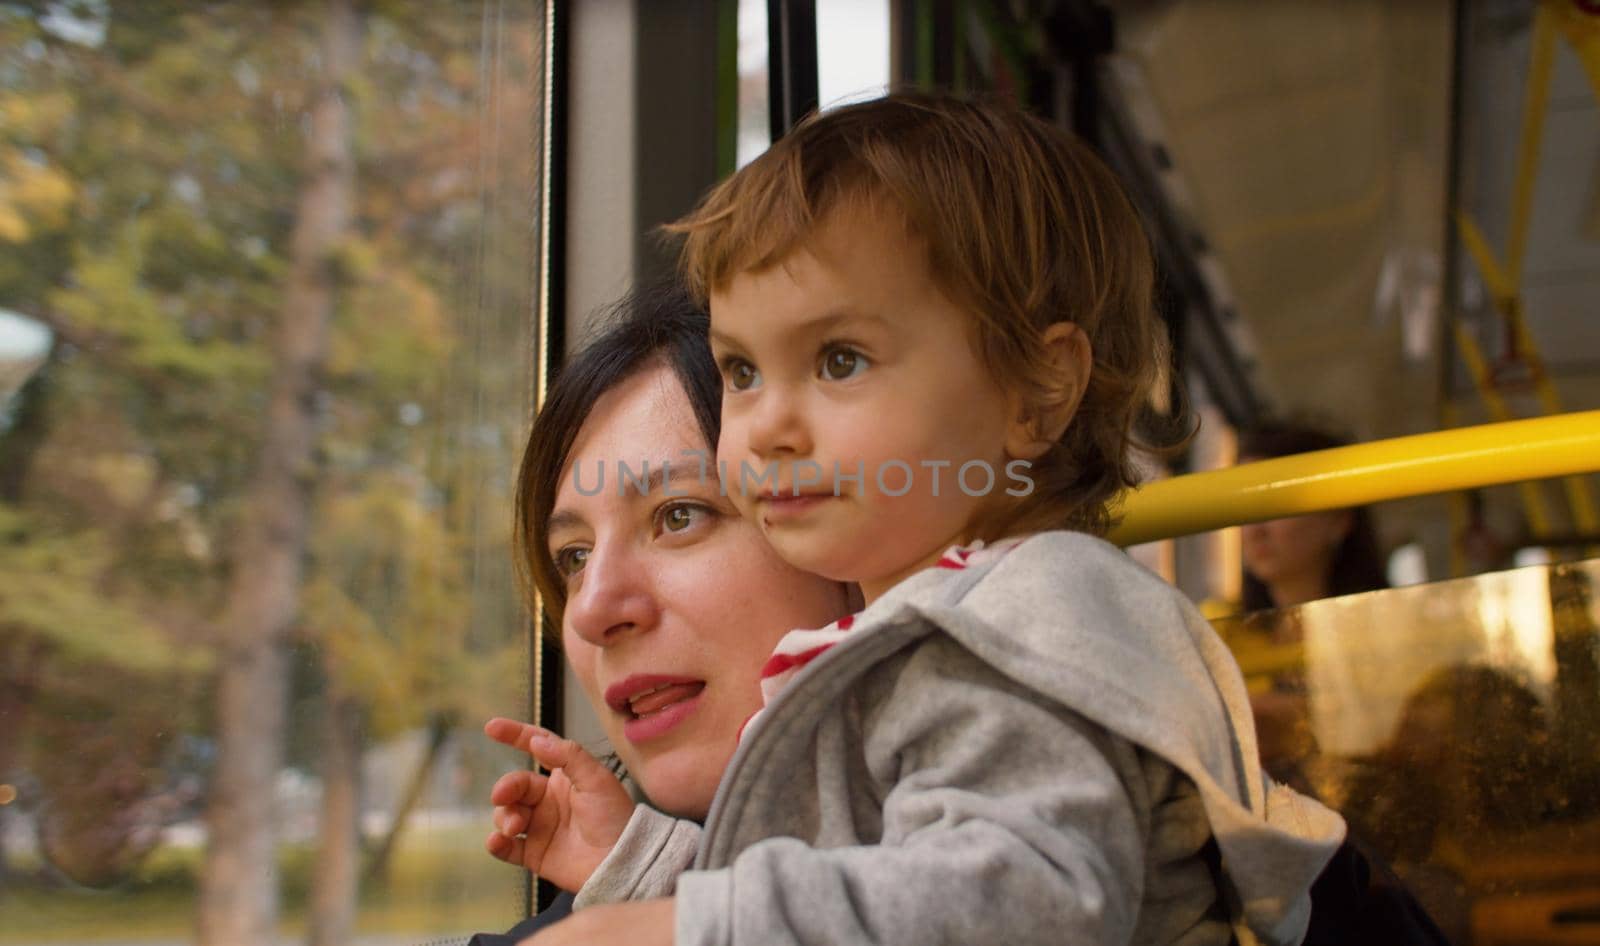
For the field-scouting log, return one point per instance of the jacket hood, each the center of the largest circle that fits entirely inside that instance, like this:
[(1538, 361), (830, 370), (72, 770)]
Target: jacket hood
[(1121, 647)]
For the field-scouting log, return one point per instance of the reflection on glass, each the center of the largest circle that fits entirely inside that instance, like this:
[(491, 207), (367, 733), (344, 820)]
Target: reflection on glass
[(755, 105), (1457, 726), (254, 479)]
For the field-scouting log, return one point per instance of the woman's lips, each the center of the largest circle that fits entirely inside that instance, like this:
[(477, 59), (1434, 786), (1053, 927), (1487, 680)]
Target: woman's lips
[(653, 704), (657, 699), (659, 722)]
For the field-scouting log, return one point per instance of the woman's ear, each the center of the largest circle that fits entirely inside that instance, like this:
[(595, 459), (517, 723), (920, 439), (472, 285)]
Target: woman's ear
[(1039, 420)]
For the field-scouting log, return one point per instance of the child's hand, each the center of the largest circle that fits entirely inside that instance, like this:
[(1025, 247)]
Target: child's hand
[(561, 825), (641, 923)]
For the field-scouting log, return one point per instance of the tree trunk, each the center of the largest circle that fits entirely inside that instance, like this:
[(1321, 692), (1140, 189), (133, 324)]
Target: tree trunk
[(20, 657), (335, 877), (238, 902), (29, 425), (438, 734)]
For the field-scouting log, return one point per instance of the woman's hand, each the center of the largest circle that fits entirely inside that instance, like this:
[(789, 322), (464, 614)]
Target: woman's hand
[(643, 923), (561, 825)]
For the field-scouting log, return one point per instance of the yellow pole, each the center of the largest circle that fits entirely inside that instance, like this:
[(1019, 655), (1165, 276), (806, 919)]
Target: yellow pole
[(1478, 367), (1533, 503), (1464, 458), (1478, 247), (1583, 32), (1460, 511), (1505, 284), (1580, 497)]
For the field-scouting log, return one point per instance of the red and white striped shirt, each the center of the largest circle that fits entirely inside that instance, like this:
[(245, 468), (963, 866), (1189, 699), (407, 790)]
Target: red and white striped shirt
[(798, 648)]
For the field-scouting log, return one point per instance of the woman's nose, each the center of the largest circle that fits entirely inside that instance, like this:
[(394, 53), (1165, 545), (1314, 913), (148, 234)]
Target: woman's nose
[(614, 598)]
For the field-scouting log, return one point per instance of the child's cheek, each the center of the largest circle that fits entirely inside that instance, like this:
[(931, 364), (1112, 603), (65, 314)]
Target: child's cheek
[(745, 504), (742, 492), (729, 453)]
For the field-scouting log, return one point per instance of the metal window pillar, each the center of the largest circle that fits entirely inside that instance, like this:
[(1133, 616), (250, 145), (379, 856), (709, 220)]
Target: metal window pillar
[(545, 671), (680, 70), (927, 48), (791, 62)]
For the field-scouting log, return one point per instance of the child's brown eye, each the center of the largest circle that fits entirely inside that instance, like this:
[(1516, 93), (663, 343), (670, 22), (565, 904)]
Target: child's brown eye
[(742, 375), (841, 363)]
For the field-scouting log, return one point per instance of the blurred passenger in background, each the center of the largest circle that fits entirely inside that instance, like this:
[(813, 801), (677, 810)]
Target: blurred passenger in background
[(1289, 562), (1303, 558)]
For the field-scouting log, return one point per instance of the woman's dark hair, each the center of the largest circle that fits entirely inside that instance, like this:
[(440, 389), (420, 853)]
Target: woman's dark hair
[(660, 325), (1358, 563)]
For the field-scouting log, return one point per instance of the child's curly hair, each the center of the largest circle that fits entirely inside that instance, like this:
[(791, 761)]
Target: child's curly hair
[(1023, 227)]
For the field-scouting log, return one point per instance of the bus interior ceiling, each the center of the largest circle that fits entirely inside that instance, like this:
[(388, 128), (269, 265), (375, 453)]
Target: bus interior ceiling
[(1311, 153)]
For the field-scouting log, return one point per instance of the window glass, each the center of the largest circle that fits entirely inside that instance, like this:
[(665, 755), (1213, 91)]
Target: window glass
[(852, 50), (755, 107), (1456, 725), (266, 357), (852, 63)]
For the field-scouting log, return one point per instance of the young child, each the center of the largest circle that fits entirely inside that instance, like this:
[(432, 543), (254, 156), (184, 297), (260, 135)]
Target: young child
[(934, 322)]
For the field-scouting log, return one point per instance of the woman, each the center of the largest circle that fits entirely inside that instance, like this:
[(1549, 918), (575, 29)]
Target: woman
[(1289, 562), (1319, 555), (668, 602), (690, 592)]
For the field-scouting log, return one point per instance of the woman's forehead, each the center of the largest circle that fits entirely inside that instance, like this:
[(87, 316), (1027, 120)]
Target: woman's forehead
[(641, 424)]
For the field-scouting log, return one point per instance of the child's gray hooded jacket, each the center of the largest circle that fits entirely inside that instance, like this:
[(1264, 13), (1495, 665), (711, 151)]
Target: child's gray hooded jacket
[(1037, 749)]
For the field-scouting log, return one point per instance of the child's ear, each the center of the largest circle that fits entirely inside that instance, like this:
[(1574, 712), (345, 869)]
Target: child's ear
[(1039, 421)]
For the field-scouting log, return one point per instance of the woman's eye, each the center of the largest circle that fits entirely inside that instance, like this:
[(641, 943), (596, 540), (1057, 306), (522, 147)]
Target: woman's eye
[(741, 375), (569, 561), (680, 516), (839, 364)]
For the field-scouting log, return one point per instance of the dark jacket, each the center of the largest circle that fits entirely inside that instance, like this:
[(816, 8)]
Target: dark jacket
[(558, 910)]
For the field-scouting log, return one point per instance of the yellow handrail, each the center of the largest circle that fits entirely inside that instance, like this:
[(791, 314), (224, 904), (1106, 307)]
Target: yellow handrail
[(1538, 511), (1462, 458)]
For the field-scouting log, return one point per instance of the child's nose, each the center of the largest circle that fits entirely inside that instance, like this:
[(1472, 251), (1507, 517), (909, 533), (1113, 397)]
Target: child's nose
[(777, 425), (614, 598)]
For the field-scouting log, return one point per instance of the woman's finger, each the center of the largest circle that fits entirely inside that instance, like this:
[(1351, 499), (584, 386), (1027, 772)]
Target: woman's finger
[(583, 770)]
